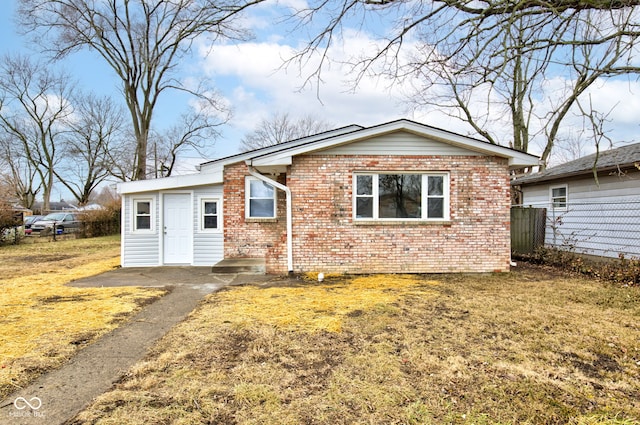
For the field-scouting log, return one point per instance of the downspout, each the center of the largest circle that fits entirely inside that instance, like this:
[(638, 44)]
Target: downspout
[(287, 191)]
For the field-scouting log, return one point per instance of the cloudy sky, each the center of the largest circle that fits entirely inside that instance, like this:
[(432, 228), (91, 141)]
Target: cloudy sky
[(251, 78)]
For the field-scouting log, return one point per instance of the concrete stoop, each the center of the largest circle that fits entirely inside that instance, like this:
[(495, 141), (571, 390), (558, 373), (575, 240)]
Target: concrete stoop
[(240, 265)]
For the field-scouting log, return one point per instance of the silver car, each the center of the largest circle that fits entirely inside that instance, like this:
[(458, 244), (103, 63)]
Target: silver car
[(64, 222)]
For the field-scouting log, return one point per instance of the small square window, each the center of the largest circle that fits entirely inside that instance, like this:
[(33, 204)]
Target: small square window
[(260, 199), (210, 214), (142, 214), (559, 197)]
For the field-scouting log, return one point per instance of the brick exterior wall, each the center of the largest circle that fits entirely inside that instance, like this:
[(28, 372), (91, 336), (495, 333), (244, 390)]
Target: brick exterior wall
[(326, 238), (253, 238)]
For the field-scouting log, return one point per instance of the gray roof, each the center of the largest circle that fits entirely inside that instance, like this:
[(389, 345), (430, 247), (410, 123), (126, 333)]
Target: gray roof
[(622, 157)]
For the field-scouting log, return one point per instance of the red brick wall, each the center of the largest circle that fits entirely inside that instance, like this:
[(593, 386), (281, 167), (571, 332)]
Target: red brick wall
[(252, 238), (325, 237)]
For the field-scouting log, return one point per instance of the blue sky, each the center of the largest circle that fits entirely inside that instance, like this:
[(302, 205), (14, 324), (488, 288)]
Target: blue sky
[(247, 75)]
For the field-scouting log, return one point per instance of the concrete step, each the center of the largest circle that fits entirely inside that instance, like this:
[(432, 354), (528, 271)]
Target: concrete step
[(240, 265)]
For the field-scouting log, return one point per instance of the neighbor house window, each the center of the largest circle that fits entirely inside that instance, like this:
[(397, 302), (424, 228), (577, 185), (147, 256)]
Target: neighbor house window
[(142, 209), (406, 196), (210, 214), (559, 197), (260, 199)]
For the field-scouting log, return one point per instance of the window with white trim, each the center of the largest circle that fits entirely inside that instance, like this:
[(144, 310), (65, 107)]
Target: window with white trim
[(142, 215), (260, 199), (401, 196), (558, 197), (209, 214)]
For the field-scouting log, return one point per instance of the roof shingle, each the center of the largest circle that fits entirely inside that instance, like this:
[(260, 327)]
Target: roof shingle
[(622, 157)]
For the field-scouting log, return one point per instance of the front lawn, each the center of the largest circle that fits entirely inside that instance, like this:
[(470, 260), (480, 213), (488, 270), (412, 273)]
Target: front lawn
[(43, 322), (529, 347)]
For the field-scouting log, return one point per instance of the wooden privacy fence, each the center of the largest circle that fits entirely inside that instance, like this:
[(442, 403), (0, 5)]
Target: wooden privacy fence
[(527, 229)]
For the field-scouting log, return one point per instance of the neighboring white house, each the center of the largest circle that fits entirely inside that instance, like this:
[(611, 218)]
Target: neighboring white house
[(588, 214)]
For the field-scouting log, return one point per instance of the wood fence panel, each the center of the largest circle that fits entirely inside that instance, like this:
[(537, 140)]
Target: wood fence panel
[(527, 229)]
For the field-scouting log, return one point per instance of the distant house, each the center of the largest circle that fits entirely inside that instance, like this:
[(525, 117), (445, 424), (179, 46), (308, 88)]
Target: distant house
[(589, 215), (62, 205), (397, 197)]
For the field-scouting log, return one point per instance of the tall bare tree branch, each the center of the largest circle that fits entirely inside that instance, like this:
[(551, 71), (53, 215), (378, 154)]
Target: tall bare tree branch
[(143, 42)]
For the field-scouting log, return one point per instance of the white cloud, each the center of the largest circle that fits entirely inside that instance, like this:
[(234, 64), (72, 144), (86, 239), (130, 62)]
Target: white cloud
[(262, 85)]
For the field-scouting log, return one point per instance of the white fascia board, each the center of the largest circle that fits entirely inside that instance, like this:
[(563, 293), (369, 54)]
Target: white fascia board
[(275, 149), (168, 183), (521, 160), (516, 159)]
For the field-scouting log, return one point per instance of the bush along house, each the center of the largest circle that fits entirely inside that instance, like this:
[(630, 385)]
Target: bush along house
[(399, 197)]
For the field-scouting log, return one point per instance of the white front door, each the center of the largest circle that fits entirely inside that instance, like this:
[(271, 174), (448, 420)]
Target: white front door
[(177, 228)]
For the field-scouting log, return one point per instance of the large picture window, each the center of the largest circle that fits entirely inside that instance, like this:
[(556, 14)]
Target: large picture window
[(260, 199), (142, 214), (393, 196)]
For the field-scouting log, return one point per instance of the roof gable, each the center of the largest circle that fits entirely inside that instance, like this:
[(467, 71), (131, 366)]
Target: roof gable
[(277, 157), (398, 143), (283, 156)]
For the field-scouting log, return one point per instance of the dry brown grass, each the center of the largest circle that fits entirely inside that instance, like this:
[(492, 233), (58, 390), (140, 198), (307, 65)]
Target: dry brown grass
[(530, 347), (42, 321)]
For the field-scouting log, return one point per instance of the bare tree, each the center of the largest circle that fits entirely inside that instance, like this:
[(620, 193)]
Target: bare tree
[(18, 174), (490, 52), (93, 131), (515, 93), (33, 108), (143, 42), (279, 128), (195, 131)]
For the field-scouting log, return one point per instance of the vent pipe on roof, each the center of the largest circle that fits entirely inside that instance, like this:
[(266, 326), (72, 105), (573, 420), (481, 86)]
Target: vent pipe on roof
[(287, 191)]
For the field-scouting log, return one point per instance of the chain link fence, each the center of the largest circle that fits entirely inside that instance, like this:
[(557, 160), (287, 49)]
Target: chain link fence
[(606, 229)]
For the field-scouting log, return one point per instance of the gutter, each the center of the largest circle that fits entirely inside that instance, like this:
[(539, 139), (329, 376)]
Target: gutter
[(287, 191)]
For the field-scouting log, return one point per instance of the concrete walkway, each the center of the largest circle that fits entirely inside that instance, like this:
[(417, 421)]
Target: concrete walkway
[(59, 395)]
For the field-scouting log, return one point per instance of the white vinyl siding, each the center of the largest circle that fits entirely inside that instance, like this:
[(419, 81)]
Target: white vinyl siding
[(400, 143), (142, 249), (139, 248), (598, 220), (208, 246)]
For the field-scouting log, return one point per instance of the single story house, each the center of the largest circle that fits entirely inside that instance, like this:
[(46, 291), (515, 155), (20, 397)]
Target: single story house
[(588, 215), (396, 197)]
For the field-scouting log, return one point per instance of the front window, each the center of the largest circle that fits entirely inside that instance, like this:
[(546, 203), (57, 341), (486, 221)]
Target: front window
[(260, 199), (410, 196), (142, 214), (559, 197)]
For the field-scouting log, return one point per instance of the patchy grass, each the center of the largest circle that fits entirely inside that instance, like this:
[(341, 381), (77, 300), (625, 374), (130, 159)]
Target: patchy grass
[(42, 321), (529, 347)]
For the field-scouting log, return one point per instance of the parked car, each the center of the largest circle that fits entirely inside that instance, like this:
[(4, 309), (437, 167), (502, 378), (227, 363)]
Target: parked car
[(28, 221), (63, 222)]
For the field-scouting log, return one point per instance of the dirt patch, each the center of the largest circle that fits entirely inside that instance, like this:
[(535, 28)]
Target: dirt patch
[(63, 298), (48, 258), (596, 367)]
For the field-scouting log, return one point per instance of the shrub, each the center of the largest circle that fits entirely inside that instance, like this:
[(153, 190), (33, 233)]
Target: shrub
[(10, 232), (620, 271), (102, 222)]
